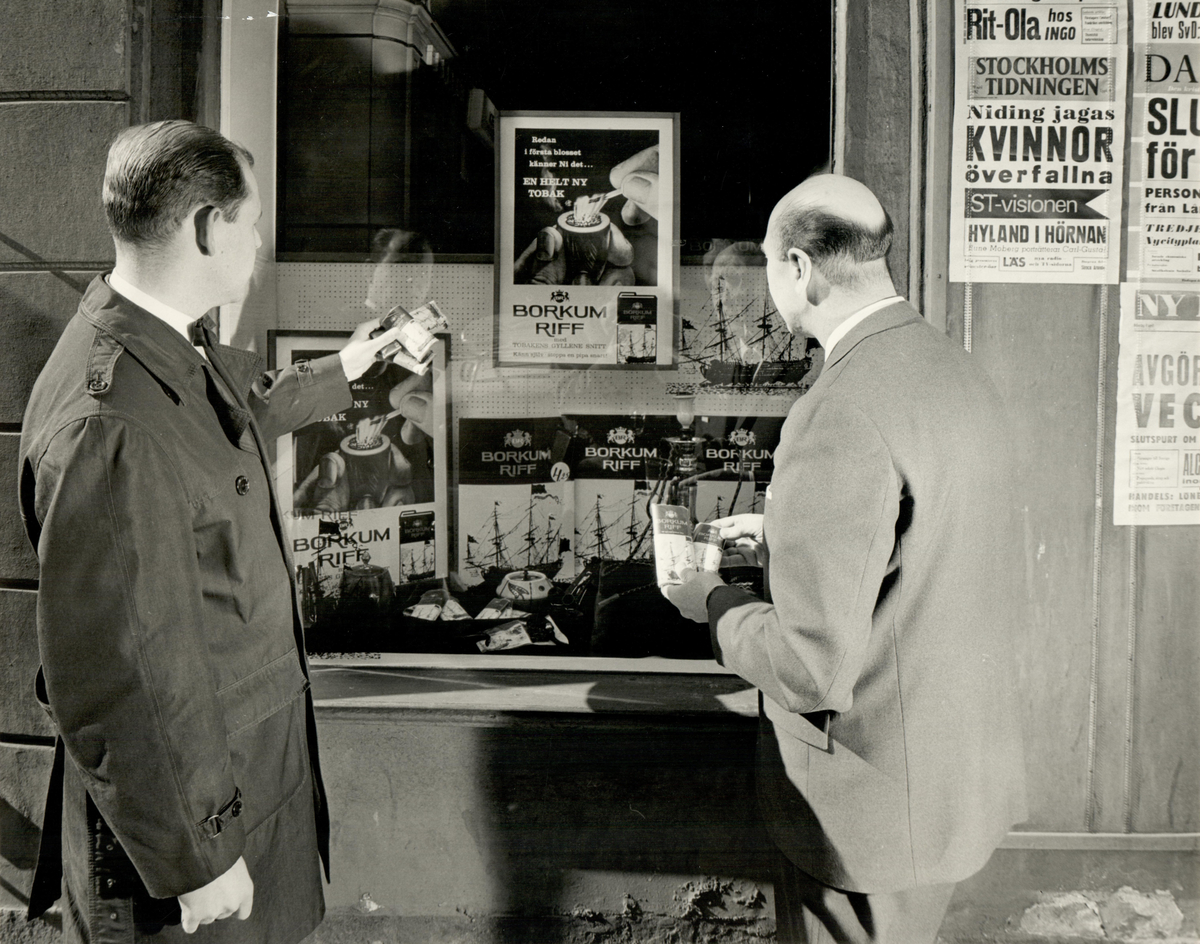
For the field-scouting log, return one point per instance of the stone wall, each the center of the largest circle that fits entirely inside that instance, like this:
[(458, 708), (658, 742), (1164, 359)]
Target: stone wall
[(72, 74)]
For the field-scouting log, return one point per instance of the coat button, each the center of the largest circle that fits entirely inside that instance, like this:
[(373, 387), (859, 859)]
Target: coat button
[(236, 809), (98, 386), (242, 484), (112, 916)]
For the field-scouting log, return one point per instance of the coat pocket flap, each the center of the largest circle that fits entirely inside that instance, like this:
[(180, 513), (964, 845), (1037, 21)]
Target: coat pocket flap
[(262, 693), (796, 725)]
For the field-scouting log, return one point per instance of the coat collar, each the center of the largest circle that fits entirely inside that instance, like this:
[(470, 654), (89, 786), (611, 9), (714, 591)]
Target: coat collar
[(893, 316), (157, 346)]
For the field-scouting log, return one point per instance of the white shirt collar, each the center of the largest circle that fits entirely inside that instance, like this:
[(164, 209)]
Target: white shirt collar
[(172, 316), (861, 315)]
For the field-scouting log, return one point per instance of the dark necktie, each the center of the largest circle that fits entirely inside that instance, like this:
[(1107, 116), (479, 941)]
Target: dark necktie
[(234, 418), (201, 331)]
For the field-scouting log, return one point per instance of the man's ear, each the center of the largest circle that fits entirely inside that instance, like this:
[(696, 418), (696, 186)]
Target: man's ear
[(818, 287), (800, 268), (809, 280), (204, 221)]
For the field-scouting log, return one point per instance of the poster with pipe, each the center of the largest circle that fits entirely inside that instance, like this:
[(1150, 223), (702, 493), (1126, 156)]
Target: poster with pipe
[(587, 258), (363, 493)]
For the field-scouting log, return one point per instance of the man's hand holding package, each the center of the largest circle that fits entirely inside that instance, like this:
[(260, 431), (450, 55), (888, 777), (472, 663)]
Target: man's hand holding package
[(744, 542), (691, 596), (359, 352)]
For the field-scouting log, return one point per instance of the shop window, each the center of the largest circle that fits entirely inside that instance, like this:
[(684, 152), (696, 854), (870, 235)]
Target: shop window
[(529, 483)]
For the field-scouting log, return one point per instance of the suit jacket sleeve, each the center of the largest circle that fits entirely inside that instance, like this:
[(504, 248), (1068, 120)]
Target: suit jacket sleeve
[(124, 652), (284, 400), (830, 528)]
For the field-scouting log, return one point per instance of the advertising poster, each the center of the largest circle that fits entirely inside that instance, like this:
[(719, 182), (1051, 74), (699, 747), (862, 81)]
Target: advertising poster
[(1038, 137), (1164, 176), (1156, 479), (514, 512), (738, 457), (616, 462), (586, 239), (363, 492)]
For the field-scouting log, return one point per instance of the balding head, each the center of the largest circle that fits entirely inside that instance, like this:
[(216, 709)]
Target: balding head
[(842, 227)]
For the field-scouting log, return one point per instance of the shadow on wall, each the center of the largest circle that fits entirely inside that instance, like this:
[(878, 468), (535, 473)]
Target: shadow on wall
[(35, 307), (19, 838), (650, 796)]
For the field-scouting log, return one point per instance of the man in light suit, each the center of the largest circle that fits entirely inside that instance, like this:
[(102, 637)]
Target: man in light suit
[(890, 759)]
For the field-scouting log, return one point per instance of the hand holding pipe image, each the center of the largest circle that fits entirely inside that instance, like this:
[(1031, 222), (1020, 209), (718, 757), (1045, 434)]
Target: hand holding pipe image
[(586, 246)]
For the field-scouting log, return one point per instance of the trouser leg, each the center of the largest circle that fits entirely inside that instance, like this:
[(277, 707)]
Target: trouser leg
[(810, 912)]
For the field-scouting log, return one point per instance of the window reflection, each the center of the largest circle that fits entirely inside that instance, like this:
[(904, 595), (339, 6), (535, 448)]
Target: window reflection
[(408, 285)]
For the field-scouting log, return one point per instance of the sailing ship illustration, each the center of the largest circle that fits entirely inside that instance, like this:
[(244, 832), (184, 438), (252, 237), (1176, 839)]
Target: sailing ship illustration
[(623, 518), (637, 344), (745, 345), (418, 563), (540, 547)]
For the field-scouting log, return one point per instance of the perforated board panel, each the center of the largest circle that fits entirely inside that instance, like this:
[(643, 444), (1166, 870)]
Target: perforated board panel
[(332, 296)]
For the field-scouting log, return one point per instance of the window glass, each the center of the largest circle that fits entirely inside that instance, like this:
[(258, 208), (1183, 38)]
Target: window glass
[(529, 484)]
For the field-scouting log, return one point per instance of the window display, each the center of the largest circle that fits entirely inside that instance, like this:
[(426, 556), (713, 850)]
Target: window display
[(611, 342)]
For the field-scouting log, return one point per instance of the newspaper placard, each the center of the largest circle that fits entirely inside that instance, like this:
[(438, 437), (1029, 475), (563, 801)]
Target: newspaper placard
[(1164, 185), (1156, 479), (586, 248), (1039, 125)]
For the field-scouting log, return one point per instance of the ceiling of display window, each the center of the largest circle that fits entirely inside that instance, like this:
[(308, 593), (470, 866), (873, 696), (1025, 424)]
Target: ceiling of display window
[(370, 138), (751, 83)]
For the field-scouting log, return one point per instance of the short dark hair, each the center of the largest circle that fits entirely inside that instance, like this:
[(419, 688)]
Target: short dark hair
[(158, 172), (837, 246)]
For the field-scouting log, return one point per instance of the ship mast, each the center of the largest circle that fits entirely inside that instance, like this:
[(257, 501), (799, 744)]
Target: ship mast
[(497, 537), (552, 534), (722, 327), (717, 511), (764, 325), (600, 542), (633, 530), (530, 537)]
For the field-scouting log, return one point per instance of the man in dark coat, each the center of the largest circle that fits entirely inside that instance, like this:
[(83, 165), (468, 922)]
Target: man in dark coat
[(186, 786), (890, 759)]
